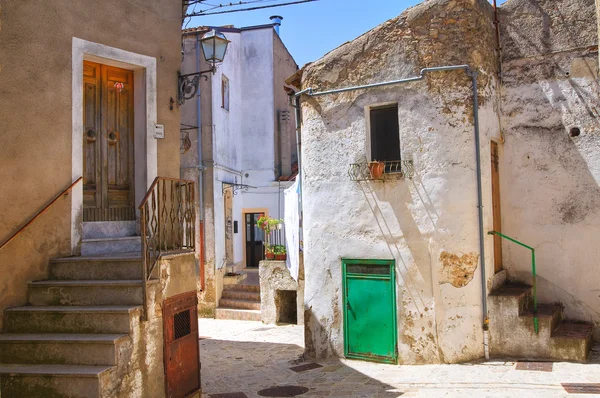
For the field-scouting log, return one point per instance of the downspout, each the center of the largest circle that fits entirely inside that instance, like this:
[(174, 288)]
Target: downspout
[(473, 74), (200, 167)]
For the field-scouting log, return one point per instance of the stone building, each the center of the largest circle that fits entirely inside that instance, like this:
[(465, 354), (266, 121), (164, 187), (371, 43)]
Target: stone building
[(83, 87), (248, 145), (399, 265)]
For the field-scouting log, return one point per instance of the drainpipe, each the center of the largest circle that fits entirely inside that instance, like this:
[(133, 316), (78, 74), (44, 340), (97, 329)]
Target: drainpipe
[(200, 165), (471, 73)]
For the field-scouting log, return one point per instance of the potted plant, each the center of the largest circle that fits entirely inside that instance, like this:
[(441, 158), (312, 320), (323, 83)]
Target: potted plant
[(268, 224), (269, 252), (280, 252), (376, 169)]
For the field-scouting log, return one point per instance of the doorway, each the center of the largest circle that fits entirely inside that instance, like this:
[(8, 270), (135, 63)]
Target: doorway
[(108, 143), (370, 327), (254, 240), (497, 222)]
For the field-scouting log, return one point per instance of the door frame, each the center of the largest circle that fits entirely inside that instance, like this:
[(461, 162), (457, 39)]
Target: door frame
[(392, 276), (244, 212), (145, 117)]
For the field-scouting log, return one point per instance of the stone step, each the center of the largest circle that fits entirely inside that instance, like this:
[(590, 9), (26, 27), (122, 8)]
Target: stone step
[(71, 319), (99, 246), (241, 295), (108, 229), (572, 340), (240, 304), (549, 316), (96, 268), (86, 292), (49, 348), (45, 381), (237, 314), (516, 296), (243, 288)]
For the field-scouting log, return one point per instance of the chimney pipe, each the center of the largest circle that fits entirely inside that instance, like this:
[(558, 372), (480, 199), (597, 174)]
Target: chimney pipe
[(276, 22)]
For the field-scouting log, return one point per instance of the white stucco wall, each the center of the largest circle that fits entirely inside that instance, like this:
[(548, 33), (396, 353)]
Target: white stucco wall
[(428, 224)]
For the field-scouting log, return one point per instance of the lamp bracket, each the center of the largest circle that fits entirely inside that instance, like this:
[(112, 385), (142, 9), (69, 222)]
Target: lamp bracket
[(189, 84)]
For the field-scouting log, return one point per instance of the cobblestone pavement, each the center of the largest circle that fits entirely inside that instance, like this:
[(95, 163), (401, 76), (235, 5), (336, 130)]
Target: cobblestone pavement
[(245, 357)]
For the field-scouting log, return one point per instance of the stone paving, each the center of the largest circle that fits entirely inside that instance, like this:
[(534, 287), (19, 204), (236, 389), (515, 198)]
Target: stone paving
[(245, 357)]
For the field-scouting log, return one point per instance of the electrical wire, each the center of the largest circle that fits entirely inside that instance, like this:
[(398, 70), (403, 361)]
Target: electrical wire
[(199, 14)]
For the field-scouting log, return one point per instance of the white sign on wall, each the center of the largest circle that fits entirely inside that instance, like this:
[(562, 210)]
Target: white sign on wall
[(159, 131)]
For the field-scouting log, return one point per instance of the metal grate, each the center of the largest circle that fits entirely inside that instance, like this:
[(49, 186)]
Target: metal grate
[(181, 324), (283, 391), (582, 388), (305, 367), (392, 169), (536, 366)]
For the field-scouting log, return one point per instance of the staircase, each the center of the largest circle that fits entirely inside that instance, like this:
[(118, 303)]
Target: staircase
[(78, 333), (512, 331), (239, 302)]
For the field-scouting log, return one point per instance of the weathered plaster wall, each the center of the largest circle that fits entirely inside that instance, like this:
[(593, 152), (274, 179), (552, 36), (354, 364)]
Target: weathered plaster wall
[(549, 180), (36, 114), (285, 129), (140, 372), (428, 224), (275, 276)]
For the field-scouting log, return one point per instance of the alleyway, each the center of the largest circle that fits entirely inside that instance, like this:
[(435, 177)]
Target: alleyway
[(246, 357)]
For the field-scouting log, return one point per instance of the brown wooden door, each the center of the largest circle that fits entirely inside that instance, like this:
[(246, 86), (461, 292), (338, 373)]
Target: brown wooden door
[(182, 350), (496, 208), (107, 143)]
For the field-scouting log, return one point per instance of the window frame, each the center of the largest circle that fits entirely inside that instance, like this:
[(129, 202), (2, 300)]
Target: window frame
[(369, 135), (225, 84)]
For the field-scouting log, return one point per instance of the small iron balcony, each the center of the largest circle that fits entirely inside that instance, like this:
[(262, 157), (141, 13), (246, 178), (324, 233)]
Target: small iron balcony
[(374, 171)]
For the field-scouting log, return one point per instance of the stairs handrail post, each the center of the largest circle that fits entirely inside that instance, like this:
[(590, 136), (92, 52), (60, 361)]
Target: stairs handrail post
[(533, 273)]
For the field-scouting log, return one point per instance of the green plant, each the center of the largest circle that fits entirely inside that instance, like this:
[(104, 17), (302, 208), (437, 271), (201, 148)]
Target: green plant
[(279, 249), (267, 223)]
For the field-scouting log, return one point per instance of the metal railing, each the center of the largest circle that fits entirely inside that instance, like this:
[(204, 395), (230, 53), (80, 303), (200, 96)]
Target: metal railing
[(39, 213), (391, 169), (168, 219), (533, 273)]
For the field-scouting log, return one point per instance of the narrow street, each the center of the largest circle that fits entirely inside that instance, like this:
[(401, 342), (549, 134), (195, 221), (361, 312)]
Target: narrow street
[(241, 358)]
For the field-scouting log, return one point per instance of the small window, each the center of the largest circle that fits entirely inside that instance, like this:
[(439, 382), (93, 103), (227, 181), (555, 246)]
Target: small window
[(385, 134), (224, 92)]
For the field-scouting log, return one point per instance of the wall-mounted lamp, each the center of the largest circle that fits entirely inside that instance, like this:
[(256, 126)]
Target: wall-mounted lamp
[(214, 46)]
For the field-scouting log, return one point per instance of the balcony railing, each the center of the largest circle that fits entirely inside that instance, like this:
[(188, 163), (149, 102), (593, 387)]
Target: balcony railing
[(168, 220), (392, 170)]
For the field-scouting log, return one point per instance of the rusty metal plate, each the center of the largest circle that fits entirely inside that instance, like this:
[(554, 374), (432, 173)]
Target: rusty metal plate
[(305, 367), (283, 391), (582, 388), (535, 366), (229, 395)]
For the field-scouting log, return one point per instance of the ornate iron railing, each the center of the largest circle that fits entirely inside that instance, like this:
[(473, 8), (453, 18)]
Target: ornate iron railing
[(168, 223), (392, 169)]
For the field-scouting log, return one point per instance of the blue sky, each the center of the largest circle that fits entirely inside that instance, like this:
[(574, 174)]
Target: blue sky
[(310, 30)]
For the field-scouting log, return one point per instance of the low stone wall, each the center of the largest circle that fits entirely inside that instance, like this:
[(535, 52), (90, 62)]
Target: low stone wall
[(277, 289)]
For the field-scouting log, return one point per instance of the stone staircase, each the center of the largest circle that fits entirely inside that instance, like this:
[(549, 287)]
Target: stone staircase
[(78, 333), (239, 302), (512, 331)]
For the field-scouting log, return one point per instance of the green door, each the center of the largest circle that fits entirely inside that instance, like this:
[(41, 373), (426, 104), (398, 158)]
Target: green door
[(370, 330)]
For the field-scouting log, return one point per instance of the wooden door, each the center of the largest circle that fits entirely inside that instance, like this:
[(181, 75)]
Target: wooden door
[(496, 208), (228, 204), (370, 310), (108, 190)]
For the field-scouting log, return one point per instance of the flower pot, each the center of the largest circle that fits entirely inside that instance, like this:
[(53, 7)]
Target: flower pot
[(376, 169), (269, 255), (280, 257)]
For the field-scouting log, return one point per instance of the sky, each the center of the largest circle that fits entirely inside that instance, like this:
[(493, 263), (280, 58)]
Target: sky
[(310, 30)]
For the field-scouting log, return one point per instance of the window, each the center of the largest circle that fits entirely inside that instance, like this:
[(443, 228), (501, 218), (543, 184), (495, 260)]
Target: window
[(385, 134), (224, 92)]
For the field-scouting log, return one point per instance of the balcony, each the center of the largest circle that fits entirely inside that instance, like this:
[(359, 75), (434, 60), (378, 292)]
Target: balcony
[(392, 170)]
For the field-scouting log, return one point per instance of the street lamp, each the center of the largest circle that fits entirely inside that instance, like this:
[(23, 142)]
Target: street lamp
[(214, 47)]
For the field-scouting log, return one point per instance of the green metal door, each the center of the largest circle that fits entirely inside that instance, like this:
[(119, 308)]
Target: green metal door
[(370, 328)]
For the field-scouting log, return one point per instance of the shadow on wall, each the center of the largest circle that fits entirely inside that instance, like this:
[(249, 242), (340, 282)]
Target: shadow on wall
[(249, 367)]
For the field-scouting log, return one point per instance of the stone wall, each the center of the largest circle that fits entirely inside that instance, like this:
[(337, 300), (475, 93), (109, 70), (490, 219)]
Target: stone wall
[(427, 224), (275, 277), (549, 163)]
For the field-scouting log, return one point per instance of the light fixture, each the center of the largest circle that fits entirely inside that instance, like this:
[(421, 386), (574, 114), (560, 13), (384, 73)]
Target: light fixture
[(214, 47)]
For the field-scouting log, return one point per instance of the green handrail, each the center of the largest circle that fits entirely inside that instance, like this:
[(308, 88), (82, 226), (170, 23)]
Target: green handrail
[(535, 317)]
